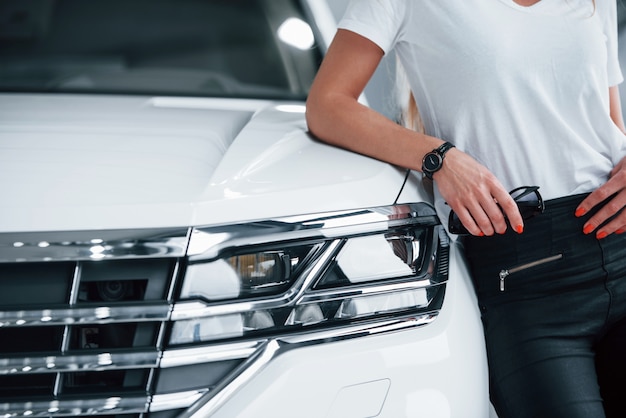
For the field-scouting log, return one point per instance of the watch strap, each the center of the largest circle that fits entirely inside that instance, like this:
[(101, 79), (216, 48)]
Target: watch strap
[(443, 148), (441, 152)]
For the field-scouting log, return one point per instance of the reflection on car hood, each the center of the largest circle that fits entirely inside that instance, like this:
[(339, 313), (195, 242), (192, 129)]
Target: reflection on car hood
[(102, 162)]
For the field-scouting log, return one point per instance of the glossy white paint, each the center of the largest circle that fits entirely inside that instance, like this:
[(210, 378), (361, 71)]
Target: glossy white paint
[(91, 162)]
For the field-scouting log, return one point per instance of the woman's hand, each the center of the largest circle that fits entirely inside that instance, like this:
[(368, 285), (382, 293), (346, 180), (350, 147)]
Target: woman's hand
[(476, 195), (615, 189)]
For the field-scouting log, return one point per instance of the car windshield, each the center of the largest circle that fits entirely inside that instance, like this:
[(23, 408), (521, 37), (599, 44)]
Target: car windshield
[(222, 48)]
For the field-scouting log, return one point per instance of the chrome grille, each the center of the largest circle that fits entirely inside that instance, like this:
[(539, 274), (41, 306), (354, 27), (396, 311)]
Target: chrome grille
[(88, 320)]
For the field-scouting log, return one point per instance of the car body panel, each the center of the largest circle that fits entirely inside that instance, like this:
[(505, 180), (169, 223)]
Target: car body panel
[(84, 162)]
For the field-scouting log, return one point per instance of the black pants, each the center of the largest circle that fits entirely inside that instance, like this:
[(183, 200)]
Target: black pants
[(553, 304)]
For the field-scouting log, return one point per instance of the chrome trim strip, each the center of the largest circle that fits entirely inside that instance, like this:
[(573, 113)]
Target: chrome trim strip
[(378, 289), (58, 384), (359, 330), (95, 315), (160, 340), (173, 281), (200, 309), (75, 287), (246, 105), (269, 351), (111, 405), (92, 245), (208, 243), (214, 399), (204, 242), (78, 363), (175, 400), (208, 354)]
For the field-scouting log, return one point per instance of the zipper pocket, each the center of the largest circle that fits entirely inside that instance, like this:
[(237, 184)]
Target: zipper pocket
[(506, 272)]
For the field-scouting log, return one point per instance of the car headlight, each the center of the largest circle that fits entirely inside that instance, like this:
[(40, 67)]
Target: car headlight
[(263, 279)]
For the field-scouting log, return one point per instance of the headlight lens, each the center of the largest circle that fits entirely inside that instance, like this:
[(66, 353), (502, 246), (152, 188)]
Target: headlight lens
[(376, 257), (245, 275), (319, 280)]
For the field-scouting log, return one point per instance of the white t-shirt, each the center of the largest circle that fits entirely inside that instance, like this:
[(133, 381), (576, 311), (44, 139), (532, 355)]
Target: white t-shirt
[(524, 90)]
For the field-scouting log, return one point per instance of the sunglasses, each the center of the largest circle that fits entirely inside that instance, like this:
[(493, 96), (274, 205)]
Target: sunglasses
[(529, 202)]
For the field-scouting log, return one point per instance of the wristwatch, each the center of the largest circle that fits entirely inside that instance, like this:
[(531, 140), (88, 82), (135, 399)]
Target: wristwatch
[(433, 161)]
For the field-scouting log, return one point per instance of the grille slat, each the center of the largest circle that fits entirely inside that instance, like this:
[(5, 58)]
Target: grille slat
[(86, 362), (86, 315), (96, 406)]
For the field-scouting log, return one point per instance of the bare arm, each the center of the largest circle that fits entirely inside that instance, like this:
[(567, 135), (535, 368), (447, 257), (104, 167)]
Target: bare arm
[(335, 116), (616, 185)]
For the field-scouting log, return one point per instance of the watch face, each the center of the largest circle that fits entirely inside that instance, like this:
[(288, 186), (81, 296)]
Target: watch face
[(432, 161)]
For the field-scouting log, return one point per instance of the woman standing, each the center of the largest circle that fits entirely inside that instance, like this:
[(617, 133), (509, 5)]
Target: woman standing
[(512, 93)]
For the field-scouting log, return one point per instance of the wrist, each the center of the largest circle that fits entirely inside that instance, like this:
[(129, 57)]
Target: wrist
[(433, 161)]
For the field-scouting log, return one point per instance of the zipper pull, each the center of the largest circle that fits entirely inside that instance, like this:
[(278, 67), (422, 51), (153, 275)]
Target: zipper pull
[(503, 275)]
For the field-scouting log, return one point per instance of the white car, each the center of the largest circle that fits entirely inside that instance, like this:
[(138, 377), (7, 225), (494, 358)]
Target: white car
[(174, 243)]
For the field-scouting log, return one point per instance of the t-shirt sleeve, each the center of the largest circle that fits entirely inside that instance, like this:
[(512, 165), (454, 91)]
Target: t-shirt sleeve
[(614, 71), (379, 21)]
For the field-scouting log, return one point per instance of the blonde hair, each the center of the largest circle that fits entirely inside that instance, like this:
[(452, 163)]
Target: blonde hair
[(409, 113), (411, 117)]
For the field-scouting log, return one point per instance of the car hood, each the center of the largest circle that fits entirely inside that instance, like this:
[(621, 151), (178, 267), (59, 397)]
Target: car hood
[(76, 162)]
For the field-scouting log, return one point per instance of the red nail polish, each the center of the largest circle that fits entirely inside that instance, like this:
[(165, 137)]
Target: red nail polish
[(481, 234), (601, 235), (588, 229), (620, 231), (519, 229), (580, 212)]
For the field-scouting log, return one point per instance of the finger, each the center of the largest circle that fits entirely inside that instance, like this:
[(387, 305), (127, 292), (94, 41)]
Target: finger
[(612, 186), (478, 219), (484, 223), (468, 222), (613, 207), (618, 167), (588, 203), (616, 226), (495, 221), (511, 210), (488, 215)]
